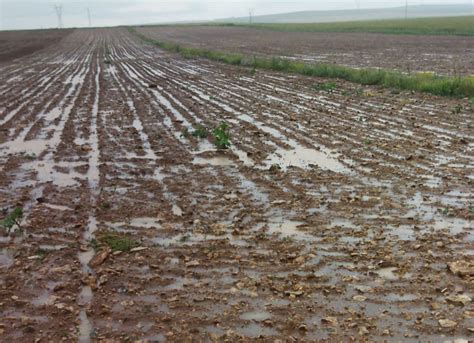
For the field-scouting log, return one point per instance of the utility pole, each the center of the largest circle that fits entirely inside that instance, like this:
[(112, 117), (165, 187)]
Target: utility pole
[(357, 4), (59, 13), (406, 9), (89, 17)]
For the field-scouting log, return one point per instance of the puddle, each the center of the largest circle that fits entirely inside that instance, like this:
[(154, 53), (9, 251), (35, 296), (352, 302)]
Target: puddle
[(177, 211), (55, 247), (57, 207), (214, 161), (141, 222), (255, 330), (401, 297), (85, 328), (304, 158), (387, 273), (85, 296), (44, 299), (6, 258), (256, 316), (288, 229)]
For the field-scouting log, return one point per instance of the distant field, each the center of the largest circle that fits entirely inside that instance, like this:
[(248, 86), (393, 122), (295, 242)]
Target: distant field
[(459, 26), (17, 44), (445, 55)]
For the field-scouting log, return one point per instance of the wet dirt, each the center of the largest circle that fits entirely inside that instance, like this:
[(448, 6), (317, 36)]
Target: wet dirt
[(440, 54), (364, 233)]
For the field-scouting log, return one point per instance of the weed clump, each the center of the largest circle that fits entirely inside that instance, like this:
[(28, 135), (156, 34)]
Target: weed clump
[(12, 219), (118, 243), (326, 86), (200, 132), (221, 136), (457, 109)]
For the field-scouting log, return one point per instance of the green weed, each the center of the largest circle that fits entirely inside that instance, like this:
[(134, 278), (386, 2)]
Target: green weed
[(184, 238), (200, 132), (275, 167), (326, 86), (31, 156), (117, 243), (12, 219), (367, 141), (185, 133), (221, 136), (457, 109)]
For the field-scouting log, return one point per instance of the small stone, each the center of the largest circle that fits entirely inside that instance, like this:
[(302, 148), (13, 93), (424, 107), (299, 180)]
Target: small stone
[(359, 298), (462, 268), (447, 323), (363, 289), (459, 299), (363, 331), (300, 260), (138, 249), (330, 320), (192, 263), (99, 258)]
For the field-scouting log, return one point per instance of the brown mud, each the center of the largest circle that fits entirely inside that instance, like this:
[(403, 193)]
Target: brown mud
[(447, 55), (364, 232)]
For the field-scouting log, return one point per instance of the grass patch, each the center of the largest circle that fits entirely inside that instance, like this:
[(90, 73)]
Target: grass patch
[(326, 86), (117, 242), (458, 26), (422, 82)]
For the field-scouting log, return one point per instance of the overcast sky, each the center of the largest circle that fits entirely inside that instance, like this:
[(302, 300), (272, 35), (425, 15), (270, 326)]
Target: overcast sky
[(24, 14)]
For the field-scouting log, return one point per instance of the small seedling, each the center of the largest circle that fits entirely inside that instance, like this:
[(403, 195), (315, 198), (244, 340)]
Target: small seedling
[(12, 219), (118, 243), (367, 141), (275, 167), (444, 211), (184, 238), (326, 86), (221, 136), (185, 133), (93, 243), (457, 109), (200, 132), (41, 252), (31, 156)]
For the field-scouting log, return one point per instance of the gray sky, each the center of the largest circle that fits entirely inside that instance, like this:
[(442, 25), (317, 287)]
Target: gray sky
[(24, 14)]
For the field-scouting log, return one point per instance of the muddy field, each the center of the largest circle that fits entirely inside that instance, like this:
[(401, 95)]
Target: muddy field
[(15, 44), (449, 55), (333, 216)]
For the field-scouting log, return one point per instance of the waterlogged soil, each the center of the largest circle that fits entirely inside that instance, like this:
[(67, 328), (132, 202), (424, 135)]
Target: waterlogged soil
[(334, 216), (16, 44), (451, 55)]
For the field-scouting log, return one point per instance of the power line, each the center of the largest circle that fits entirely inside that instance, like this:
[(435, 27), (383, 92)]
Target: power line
[(89, 17), (59, 13), (357, 4), (250, 15)]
